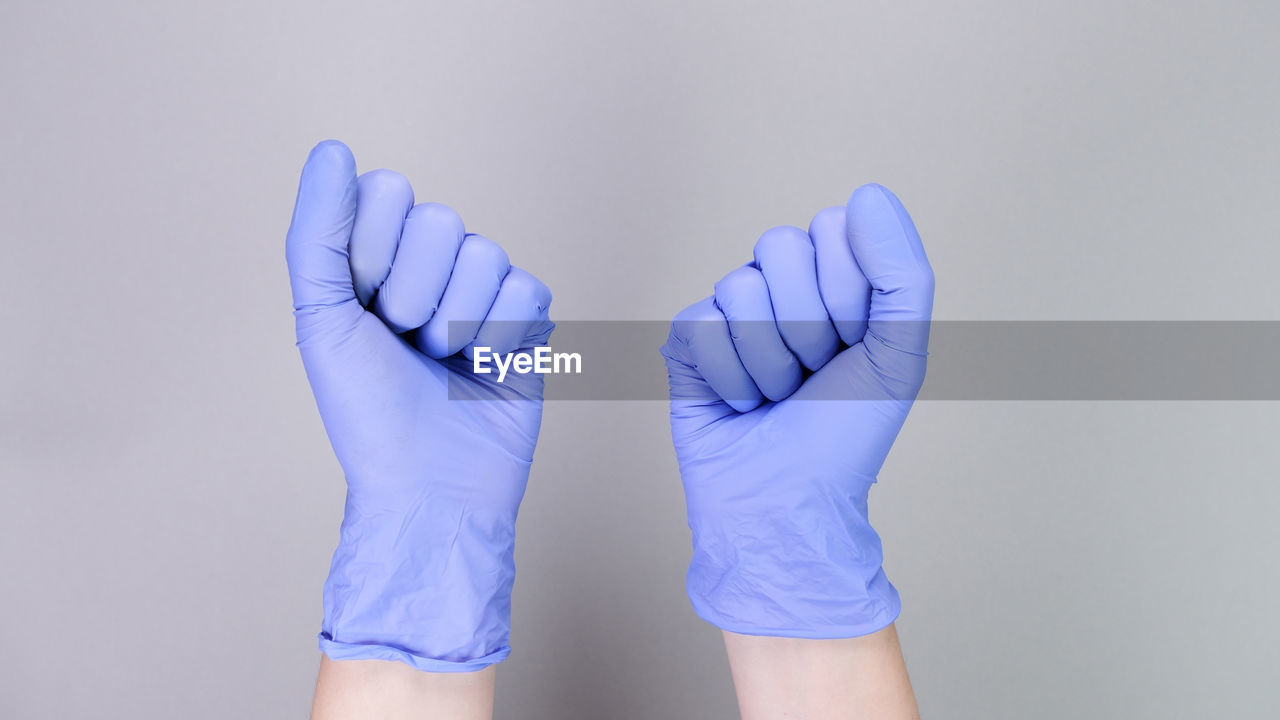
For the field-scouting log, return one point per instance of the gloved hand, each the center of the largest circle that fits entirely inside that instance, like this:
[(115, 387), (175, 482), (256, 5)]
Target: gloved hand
[(788, 387), (436, 457)]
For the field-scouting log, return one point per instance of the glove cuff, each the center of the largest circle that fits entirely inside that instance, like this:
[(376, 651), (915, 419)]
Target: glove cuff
[(779, 564), (878, 610), (427, 583), (352, 651)]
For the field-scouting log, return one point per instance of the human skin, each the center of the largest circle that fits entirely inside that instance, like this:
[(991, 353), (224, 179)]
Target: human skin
[(368, 689), (862, 677)]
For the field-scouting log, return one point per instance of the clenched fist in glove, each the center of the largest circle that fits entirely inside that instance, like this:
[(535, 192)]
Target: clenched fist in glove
[(389, 298), (788, 387)]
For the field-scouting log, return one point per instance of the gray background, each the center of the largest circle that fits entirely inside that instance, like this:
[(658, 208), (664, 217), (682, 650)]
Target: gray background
[(170, 501)]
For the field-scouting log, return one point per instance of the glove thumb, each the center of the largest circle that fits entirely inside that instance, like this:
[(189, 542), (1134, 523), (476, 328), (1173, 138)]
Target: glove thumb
[(316, 246), (891, 256)]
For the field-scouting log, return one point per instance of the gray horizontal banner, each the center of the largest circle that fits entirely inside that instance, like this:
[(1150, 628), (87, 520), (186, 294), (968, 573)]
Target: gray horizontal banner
[(968, 360)]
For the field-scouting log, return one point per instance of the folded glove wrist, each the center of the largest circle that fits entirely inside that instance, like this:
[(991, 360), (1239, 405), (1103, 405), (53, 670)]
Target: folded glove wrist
[(773, 562), (424, 578)]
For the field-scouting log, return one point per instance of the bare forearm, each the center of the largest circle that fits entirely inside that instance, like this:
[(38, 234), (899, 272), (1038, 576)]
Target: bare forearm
[(368, 689), (863, 678)]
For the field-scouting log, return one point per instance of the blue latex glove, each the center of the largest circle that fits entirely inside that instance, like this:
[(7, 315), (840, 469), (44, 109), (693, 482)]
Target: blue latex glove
[(423, 569), (788, 387)]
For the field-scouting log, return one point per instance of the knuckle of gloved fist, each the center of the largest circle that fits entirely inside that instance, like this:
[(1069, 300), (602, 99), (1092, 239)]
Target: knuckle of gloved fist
[(486, 252), (383, 183), (436, 214), (831, 217), (528, 288), (779, 240), (697, 314), (738, 283)]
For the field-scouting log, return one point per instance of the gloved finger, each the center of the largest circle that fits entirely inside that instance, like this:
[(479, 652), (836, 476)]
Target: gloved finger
[(383, 199), (889, 251), (845, 291), (743, 298), (518, 312), (473, 286), (705, 332), (424, 259), (786, 258), (320, 232)]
